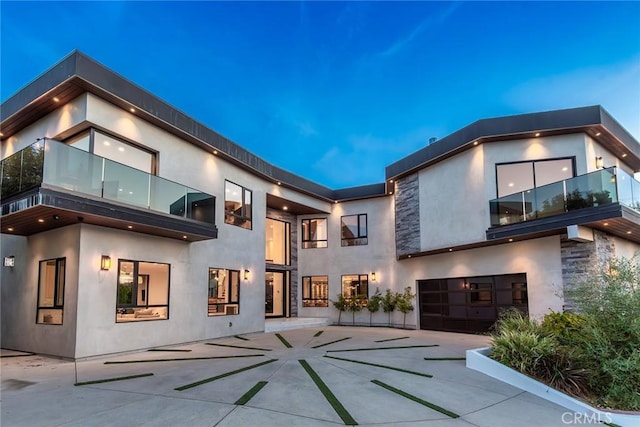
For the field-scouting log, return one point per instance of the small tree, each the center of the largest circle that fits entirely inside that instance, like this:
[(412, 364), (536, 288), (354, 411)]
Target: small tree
[(373, 305), (354, 305), (340, 304), (405, 304), (389, 301)]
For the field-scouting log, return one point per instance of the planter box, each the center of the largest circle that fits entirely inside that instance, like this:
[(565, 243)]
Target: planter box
[(479, 360)]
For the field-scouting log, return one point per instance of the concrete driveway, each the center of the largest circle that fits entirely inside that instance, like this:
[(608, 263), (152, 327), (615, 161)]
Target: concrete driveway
[(306, 377)]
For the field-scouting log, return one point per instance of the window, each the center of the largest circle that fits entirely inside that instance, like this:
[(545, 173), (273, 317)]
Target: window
[(314, 233), (354, 230), (481, 293), (315, 291), (278, 242), (237, 205), (115, 149), (516, 177), (143, 291), (224, 292), (355, 285), (51, 291)]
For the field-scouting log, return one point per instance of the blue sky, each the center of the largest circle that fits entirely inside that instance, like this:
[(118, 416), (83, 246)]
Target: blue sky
[(335, 91)]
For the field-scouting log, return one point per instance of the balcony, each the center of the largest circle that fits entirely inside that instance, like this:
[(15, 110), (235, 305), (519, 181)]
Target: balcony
[(607, 199), (50, 183)]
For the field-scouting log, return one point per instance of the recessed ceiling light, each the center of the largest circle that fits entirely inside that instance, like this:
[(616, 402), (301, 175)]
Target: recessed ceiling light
[(390, 180), (537, 134), (285, 208), (40, 220), (475, 142), (605, 224), (279, 183), (624, 155), (598, 133), (390, 192), (629, 232), (511, 184), (56, 99), (129, 227), (184, 237), (121, 149), (336, 202), (10, 229), (408, 256), (133, 110), (511, 240), (564, 169), (450, 250), (1, 134), (215, 151)]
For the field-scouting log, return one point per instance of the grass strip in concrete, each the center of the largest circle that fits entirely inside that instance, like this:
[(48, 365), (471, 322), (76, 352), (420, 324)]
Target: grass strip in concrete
[(238, 346), (384, 348), (416, 399), (445, 358), (248, 395), (184, 350), (318, 333), (284, 341), (331, 398), (179, 359), (108, 380), (611, 424), (331, 342), (226, 374), (381, 366), (17, 355), (392, 339), (241, 338)]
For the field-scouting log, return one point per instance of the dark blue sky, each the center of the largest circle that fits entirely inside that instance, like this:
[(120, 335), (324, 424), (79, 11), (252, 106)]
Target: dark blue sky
[(335, 91)]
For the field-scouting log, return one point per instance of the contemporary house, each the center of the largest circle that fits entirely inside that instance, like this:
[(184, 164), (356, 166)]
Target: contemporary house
[(127, 224)]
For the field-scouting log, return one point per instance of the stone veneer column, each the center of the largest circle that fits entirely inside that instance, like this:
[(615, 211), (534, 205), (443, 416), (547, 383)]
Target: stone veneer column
[(578, 258), (293, 268), (407, 206)]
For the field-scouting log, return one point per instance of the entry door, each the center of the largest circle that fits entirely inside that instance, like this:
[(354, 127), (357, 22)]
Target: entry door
[(276, 293)]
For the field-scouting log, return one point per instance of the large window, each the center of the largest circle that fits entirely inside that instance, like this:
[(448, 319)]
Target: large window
[(516, 177), (224, 292), (237, 205), (314, 233), (354, 230), (315, 291), (115, 149), (355, 286), (143, 291), (278, 242), (51, 291)]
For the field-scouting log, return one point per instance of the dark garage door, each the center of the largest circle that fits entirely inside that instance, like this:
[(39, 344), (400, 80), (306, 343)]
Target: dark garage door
[(469, 304)]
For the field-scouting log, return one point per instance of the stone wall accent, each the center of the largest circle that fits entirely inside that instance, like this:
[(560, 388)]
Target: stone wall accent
[(579, 258), (293, 268), (407, 206)]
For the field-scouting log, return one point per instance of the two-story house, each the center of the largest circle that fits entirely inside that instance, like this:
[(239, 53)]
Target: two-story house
[(127, 224)]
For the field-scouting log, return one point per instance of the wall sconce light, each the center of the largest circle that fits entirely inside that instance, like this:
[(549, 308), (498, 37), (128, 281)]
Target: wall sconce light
[(599, 163), (465, 285), (10, 261), (246, 275), (105, 262), (373, 276)]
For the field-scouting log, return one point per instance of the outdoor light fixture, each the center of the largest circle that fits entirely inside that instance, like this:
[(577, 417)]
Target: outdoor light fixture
[(599, 162), (246, 275), (105, 262), (373, 276)]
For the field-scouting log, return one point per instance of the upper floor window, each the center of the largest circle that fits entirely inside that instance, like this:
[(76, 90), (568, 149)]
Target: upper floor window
[(143, 291), (354, 230), (314, 233), (237, 205), (278, 242), (51, 291), (109, 147), (224, 292), (355, 286), (516, 177)]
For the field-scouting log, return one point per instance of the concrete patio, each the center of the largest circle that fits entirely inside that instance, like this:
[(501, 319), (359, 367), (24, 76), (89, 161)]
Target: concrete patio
[(316, 376)]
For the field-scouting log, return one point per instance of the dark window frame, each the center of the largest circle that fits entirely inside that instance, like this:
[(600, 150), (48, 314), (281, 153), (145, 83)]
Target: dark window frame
[(359, 240), (217, 308), (358, 286), (287, 243), (122, 308), (58, 294), (533, 168), (307, 284), (307, 241), (246, 215)]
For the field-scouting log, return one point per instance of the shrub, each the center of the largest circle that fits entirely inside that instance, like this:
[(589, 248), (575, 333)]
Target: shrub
[(374, 303), (404, 303), (389, 301), (340, 303)]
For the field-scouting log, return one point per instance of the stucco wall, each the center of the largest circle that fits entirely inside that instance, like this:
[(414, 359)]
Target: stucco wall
[(20, 292)]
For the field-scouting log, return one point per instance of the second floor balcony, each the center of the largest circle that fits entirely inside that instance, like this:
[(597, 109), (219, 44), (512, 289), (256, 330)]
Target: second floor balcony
[(607, 197), (50, 179)]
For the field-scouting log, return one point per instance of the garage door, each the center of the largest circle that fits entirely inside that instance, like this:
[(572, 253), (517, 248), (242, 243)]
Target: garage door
[(469, 304)]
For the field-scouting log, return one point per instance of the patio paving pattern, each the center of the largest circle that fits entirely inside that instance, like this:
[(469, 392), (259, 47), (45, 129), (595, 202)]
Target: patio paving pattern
[(319, 376)]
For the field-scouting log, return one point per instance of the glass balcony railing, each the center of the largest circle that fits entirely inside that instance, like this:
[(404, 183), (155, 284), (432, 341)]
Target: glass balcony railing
[(605, 186), (57, 164)]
